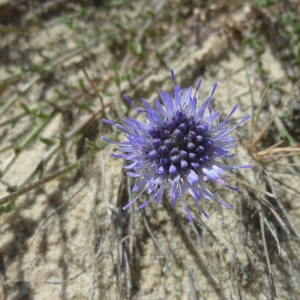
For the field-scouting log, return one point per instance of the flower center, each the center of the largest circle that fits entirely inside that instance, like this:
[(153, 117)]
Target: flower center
[(179, 146)]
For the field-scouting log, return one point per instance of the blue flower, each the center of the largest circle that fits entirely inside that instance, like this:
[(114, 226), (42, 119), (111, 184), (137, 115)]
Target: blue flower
[(177, 146)]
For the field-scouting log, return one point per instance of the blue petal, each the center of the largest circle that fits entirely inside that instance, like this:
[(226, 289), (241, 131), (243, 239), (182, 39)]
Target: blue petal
[(192, 177), (135, 175), (212, 175), (168, 102), (198, 86), (217, 151), (155, 118), (160, 108)]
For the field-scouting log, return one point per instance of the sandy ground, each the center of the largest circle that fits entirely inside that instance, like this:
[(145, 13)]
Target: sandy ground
[(70, 239)]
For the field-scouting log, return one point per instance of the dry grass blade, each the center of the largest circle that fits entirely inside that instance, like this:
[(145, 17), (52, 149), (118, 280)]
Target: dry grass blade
[(262, 220), (165, 268), (97, 258), (253, 144), (256, 117), (265, 201), (274, 151), (46, 179)]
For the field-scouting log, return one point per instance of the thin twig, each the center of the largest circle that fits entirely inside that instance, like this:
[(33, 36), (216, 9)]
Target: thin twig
[(91, 83), (46, 179)]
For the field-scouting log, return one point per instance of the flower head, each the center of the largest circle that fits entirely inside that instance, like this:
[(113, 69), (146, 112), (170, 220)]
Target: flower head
[(177, 146)]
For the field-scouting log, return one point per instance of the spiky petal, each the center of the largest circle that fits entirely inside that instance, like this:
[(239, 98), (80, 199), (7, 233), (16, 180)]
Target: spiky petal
[(177, 146)]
